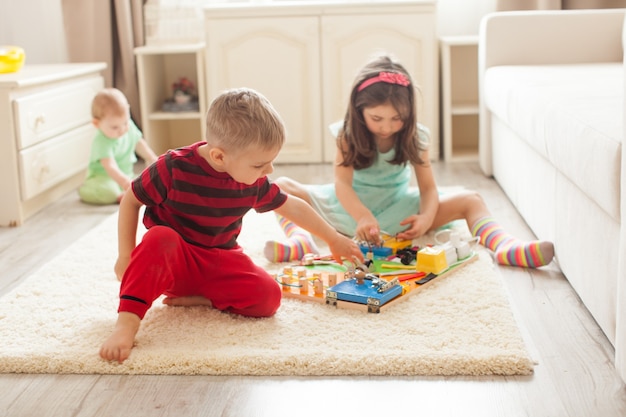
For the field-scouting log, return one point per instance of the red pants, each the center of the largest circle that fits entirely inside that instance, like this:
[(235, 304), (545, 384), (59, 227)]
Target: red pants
[(163, 263)]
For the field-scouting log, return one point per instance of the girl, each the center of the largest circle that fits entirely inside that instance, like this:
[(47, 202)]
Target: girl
[(377, 144)]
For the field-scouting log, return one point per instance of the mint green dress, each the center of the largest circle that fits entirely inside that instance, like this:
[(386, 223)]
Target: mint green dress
[(383, 188)]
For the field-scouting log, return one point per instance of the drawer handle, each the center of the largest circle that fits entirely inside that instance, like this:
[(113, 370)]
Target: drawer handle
[(40, 120), (43, 170), (36, 122)]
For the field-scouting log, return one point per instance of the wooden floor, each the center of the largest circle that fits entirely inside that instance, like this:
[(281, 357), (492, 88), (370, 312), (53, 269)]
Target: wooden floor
[(574, 375)]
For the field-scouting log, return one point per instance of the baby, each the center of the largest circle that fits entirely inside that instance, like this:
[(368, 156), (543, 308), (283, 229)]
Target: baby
[(112, 158)]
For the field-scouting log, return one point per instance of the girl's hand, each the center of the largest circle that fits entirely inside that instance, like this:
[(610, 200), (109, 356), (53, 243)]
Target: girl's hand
[(417, 227), (343, 248), (368, 230)]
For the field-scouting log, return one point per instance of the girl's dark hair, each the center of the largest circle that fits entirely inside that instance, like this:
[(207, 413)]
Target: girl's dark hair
[(356, 142)]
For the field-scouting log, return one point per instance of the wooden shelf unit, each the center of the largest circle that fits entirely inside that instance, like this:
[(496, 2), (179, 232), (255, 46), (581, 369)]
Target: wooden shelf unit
[(459, 97), (157, 68)]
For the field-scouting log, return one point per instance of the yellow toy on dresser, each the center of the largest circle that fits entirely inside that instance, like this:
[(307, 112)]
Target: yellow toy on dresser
[(11, 58)]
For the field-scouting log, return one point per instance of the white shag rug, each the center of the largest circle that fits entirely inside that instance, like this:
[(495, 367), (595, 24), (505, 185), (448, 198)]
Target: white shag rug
[(57, 319)]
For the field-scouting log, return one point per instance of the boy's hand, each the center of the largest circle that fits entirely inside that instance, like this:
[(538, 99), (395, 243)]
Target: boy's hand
[(120, 267), (343, 248)]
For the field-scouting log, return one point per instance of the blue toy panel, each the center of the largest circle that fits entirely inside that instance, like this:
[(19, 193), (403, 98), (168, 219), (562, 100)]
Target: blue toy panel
[(379, 252), (365, 293)]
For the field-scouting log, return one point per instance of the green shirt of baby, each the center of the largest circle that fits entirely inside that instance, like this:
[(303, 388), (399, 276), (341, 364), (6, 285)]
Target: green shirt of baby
[(121, 149)]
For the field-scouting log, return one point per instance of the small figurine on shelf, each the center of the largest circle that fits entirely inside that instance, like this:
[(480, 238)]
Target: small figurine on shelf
[(184, 89), (184, 96)]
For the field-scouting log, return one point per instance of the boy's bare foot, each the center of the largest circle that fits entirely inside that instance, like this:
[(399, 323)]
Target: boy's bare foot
[(193, 300), (118, 346)]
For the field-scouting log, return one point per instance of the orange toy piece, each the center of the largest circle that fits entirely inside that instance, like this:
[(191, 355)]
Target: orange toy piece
[(431, 260), (306, 285)]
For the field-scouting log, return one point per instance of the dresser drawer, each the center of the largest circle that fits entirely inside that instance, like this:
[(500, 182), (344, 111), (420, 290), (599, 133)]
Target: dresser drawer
[(40, 116), (51, 162)]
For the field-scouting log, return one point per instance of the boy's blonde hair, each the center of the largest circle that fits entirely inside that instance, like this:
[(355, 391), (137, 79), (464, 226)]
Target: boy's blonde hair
[(109, 102), (242, 117)]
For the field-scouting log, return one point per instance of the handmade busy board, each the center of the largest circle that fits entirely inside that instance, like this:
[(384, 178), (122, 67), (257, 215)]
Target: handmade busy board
[(369, 288)]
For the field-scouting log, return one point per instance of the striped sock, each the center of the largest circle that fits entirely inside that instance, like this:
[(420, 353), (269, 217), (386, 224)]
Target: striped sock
[(299, 242), (510, 250)]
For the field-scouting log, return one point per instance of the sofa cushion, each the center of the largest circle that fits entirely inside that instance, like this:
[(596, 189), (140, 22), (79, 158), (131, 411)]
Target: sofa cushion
[(570, 114)]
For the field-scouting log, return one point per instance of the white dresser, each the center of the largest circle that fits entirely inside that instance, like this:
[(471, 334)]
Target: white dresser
[(303, 56), (45, 134)]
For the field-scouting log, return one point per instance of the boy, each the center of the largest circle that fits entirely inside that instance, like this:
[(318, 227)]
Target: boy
[(113, 149), (195, 199)]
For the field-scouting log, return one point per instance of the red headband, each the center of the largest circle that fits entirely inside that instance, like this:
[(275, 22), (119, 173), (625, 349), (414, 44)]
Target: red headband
[(385, 77)]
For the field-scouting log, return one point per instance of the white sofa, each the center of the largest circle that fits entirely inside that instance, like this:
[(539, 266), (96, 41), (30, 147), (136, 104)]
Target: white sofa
[(551, 131)]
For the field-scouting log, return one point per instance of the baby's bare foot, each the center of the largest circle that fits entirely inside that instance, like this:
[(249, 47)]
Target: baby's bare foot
[(118, 346), (194, 300)]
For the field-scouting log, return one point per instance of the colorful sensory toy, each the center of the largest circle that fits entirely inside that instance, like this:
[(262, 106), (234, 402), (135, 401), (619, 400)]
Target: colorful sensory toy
[(369, 287)]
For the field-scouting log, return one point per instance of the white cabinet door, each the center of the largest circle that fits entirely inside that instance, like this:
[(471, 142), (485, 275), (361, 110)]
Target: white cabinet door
[(348, 42), (279, 57)]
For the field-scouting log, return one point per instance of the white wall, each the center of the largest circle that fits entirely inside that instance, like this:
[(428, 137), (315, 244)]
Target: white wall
[(36, 26), (462, 17)]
